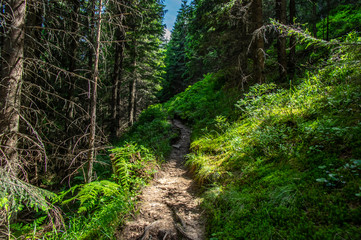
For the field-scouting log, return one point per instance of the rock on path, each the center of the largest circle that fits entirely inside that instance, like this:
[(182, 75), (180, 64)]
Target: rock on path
[(169, 207)]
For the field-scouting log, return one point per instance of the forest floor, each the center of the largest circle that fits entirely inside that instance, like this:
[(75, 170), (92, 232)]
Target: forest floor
[(169, 207)]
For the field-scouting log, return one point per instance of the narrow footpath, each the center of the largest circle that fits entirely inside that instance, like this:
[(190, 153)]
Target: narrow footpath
[(169, 207)]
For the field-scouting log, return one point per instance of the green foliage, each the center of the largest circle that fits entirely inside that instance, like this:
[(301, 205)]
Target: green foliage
[(101, 207), (342, 20), (29, 230), (289, 166), (92, 194), (17, 196), (176, 59), (202, 102), (153, 130), (133, 165)]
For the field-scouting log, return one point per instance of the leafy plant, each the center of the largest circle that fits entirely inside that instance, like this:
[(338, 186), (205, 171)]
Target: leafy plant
[(100, 207), (289, 162), (133, 165), (92, 195)]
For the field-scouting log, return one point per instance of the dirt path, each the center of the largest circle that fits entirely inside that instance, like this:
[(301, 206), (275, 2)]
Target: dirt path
[(169, 207)]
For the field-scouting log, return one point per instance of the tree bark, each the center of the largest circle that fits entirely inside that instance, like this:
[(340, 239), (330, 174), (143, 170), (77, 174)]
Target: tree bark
[(133, 83), (328, 21), (117, 79), (1, 35), (72, 56), (292, 54), (72, 63), (259, 42), (32, 49), (90, 52), (314, 13), (93, 100), (11, 82), (281, 15)]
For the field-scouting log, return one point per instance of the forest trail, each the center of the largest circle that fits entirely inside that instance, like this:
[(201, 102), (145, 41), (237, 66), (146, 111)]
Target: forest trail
[(169, 207)]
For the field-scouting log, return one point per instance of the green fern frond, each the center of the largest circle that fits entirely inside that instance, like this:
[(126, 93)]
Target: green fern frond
[(131, 164), (90, 194)]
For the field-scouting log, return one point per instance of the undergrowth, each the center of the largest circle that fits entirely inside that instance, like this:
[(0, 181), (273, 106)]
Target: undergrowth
[(289, 167), (202, 102), (99, 209), (276, 163)]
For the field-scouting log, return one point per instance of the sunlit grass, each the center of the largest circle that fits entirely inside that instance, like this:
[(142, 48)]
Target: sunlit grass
[(276, 171)]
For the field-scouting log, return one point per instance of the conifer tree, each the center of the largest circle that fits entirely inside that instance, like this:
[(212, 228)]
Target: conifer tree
[(176, 58)]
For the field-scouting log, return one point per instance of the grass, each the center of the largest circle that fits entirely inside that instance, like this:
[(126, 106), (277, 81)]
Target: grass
[(289, 167), (275, 162)]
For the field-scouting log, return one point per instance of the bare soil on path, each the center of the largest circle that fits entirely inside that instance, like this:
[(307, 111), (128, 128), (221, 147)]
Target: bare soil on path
[(169, 207)]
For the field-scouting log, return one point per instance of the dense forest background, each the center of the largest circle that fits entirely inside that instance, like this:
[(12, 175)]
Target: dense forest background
[(270, 88)]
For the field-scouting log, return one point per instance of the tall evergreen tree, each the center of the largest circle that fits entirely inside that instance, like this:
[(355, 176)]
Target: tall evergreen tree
[(176, 59)]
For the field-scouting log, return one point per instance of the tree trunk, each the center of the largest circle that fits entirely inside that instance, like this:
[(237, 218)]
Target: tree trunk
[(32, 42), (259, 42), (90, 52), (73, 47), (314, 13), (93, 100), (1, 35), (323, 28), (281, 15), (291, 57), (133, 83), (117, 78), (328, 21), (11, 81)]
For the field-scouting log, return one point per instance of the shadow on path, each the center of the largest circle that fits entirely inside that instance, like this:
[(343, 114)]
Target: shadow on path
[(169, 207)]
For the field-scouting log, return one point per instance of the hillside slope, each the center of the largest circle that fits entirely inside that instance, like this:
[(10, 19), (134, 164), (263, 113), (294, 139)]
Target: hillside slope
[(280, 163)]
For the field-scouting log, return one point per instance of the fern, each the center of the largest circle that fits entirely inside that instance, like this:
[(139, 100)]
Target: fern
[(133, 165), (123, 172), (92, 194), (103, 205)]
